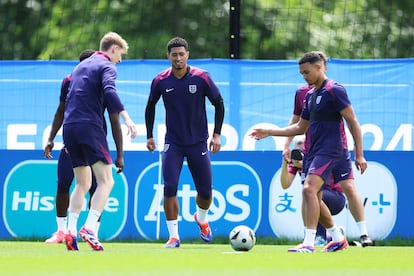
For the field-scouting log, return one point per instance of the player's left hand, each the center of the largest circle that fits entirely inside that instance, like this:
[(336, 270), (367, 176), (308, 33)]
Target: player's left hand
[(151, 144), (215, 143), (47, 153), (286, 153), (132, 130), (361, 164)]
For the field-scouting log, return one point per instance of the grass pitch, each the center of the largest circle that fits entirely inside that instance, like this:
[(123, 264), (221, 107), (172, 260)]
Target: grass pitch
[(37, 258)]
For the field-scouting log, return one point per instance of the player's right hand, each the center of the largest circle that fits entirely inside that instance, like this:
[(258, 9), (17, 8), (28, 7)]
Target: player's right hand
[(119, 164), (259, 133)]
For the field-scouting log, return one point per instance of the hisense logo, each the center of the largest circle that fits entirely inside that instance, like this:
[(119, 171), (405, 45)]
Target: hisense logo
[(31, 201)]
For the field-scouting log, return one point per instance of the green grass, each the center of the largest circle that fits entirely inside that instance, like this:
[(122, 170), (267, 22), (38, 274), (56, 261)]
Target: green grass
[(36, 258)]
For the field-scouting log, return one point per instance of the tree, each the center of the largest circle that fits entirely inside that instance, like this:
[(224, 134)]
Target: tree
[(60, 29), (146, 25), (344, 29), (18, 21)]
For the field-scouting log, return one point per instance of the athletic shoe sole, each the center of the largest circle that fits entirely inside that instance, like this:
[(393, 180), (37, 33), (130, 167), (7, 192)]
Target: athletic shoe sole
[(172, 243), (90, 238)]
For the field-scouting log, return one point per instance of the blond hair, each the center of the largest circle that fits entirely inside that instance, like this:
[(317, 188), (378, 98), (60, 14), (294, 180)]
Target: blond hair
[(110, 39)]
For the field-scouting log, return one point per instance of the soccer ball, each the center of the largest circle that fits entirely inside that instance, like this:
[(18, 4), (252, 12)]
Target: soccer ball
[(242, 238)]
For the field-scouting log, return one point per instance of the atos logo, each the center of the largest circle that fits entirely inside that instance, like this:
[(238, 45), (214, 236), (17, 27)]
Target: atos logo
[(237, 199), (29, 201)]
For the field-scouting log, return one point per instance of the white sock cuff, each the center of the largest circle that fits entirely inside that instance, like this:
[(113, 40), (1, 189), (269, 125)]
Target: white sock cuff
[(202, 215)]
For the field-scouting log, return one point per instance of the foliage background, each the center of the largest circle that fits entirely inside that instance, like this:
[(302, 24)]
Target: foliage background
[(270, 29)]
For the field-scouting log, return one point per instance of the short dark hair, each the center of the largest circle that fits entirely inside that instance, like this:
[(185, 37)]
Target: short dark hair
[(313, 57), (85, 54), (177, 42)]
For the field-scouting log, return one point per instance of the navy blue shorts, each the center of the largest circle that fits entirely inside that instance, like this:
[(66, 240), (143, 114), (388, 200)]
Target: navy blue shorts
[(65, 172), (321, 165), (86, 144), (198, 160), (343, 170)]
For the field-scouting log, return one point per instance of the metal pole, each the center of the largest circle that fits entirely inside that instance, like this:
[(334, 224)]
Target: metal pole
[(234, 32)]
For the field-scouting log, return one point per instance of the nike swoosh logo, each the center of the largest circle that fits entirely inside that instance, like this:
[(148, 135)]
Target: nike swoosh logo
[(169, 90), (344, 174), (204, 153)]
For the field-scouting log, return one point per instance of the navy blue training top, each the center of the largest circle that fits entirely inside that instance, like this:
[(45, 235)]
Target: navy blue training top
[(184, 102), (91, 90), (326, 131)]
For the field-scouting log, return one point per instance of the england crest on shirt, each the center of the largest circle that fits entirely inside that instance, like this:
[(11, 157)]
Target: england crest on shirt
[(192, 88), (318, 99)]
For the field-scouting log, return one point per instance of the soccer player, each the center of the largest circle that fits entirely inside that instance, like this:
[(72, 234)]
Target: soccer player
[(348, 185), (65, 171), (184, 90), (324, 108), (332, 195), (92, 88)]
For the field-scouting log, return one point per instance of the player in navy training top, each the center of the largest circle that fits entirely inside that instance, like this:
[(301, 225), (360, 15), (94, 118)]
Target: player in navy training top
[(348, 185), (92, 88), (323, 112), (184, 90), (65, 171)]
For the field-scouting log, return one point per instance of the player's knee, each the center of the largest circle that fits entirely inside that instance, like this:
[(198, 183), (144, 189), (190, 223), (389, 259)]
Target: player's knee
[(205, 193), (109, 184), (348, 186), (63, 187), (350, 191), (84, 187), (169, 191), (310, 188), (307, 191)]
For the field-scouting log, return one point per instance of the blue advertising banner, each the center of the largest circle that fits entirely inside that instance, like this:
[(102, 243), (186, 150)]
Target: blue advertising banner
[(256, 93), (246, 187), (246, 172)]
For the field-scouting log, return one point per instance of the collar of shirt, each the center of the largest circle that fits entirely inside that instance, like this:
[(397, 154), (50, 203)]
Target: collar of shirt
[(99, 53)]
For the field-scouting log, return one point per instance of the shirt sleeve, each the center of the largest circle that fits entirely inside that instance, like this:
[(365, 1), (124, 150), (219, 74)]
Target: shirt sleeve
[(305, 113), (64, 89), (111, 97), (150, 108), (341, 97)]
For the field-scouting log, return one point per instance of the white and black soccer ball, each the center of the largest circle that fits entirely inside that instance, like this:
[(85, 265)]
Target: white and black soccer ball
[(242, 238)]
